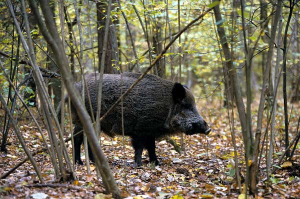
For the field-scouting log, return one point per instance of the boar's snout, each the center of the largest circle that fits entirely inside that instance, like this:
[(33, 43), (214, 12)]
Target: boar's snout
[(206, 129), (200, 128)]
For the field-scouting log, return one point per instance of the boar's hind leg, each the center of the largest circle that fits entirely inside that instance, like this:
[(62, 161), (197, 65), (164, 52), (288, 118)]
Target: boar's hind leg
[(91, 156), (78, 139), (141, 142)]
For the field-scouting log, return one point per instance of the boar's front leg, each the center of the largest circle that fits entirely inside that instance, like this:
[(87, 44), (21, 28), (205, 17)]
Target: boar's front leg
[(138, 146), (141, 142), (150, 146)]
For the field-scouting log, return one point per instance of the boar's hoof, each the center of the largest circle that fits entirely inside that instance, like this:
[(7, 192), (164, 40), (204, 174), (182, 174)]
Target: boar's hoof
[(156, 162), (79, 162), (140, 165), (137, 165)]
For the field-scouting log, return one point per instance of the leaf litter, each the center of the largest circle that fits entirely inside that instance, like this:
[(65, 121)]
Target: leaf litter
[(205, 169)]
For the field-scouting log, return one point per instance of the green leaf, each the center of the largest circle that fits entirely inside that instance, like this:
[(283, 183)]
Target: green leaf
[(29, 90), (276, 166), (246, 14), (232, 172), (296, 54), (274, 180), (213, 4)]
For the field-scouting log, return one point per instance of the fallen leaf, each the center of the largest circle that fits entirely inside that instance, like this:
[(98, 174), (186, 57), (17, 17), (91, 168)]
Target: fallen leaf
[(39, 195), (286, 164)]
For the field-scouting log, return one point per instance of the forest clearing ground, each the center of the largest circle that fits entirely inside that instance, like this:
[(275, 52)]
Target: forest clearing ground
[(205, 170)]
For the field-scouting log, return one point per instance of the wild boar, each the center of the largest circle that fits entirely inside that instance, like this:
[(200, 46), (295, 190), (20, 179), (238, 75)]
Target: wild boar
[(154, 108)]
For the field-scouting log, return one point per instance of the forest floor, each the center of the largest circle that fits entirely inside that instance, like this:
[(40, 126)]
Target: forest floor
[(204, 170)]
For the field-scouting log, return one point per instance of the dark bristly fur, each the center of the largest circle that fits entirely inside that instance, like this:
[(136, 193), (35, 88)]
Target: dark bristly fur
[(154, 108)]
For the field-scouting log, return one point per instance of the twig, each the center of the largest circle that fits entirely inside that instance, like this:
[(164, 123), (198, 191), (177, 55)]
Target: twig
[(21, 139), (286, 151), (54, 74), (130, 35), (33, 154), (62, 186), (145, 33), (174, 144)]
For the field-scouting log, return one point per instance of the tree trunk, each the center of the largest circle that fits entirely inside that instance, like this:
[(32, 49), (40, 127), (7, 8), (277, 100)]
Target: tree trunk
[(265, 91), (233, 79), (157, 47), (51, 35), (112, 57)]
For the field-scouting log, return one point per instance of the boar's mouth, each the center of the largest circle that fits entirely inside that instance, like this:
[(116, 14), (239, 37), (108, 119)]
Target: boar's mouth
[(202, 131), (198, 129)]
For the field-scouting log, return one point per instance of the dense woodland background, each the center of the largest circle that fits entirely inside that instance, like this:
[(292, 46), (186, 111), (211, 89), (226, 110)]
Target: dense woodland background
[(241, 59)]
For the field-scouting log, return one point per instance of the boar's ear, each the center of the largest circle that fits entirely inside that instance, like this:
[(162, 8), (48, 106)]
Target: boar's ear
[(178, 92)]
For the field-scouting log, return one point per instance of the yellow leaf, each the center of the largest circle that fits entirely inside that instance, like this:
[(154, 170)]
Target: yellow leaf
[(102, 196), (24, 183), (7, 188), (242, 196), (209, 187), (249, 162), (217, 147), (90, 184), (232, 154), (145, 188), (76, 183), (286, 164), (244, 189), (253, 38), (138, 197), (225, 157), (92, 167), (177, 196), (207, 196)]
